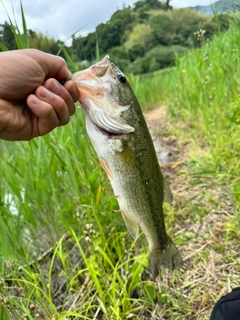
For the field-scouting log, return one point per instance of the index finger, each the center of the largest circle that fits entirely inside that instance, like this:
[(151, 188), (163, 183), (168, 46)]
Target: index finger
[(53, 66)]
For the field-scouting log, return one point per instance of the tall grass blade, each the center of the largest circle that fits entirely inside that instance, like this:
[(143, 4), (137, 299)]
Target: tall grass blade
[(20, 38), (25, 42), (68, 58), (97, 50), (235, 4), (3, 47)]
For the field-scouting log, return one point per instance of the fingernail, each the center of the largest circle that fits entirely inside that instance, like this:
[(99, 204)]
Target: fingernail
[(45, 94), (35, 100), (55, 86)]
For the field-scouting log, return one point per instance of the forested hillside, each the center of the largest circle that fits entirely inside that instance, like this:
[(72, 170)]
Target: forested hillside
[(143, 38)]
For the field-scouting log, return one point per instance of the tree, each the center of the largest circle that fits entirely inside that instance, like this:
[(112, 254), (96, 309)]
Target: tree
[(162, 28), (140, 34), (168, 5), (7, 36), (150, 5), (143, 13), (154, 4), (119, 57), (186, 22), (136, 51), (42, 42), (107, 35), (139, 4)]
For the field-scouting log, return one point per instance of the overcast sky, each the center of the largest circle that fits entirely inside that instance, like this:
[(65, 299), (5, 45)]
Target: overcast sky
[(60, 19)]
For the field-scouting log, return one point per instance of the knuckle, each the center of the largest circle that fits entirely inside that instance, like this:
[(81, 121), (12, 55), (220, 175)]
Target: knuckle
[(62, 60), (48, 110), (65, 121)]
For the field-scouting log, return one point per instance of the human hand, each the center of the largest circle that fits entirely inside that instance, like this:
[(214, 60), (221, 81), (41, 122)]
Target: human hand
[(32, 102)]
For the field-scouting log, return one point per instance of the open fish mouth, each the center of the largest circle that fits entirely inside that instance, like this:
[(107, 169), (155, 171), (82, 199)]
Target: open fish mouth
[(96, 86)]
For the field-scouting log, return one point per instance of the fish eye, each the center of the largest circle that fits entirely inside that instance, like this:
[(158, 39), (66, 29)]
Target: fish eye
[(121, 78)]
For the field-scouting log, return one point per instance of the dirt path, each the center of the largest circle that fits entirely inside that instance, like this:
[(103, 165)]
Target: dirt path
[(165, 146), (170, 152), (203, 212)]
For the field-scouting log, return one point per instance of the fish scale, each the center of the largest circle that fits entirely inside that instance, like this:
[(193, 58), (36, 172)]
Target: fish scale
[(121, 139)]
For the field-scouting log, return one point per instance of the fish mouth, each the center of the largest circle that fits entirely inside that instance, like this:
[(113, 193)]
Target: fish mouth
[(96, 85), (100, 72)]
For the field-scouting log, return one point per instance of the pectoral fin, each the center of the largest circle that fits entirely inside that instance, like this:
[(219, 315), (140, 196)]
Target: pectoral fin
[(167, 193), (131, 226), (108, 123)]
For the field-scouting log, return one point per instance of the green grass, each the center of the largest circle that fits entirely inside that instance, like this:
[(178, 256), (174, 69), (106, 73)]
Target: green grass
[(207, 101), (65, 255)]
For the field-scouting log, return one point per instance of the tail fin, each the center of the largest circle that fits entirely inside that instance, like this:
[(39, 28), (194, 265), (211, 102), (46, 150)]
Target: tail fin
[(169, 258)]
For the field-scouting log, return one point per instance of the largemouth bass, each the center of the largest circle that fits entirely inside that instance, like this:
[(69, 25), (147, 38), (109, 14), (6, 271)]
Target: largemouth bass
[(120, 136)]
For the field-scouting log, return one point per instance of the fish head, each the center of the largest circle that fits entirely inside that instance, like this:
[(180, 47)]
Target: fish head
[(105, 95)]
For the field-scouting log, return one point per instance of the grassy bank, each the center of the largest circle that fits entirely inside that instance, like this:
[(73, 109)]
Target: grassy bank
[(65, 255), (203, 98)]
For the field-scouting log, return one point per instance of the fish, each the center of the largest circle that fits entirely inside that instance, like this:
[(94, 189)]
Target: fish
[(119, 134)]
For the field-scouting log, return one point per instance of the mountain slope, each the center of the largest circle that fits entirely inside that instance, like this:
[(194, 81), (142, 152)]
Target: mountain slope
[(221, 6)]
